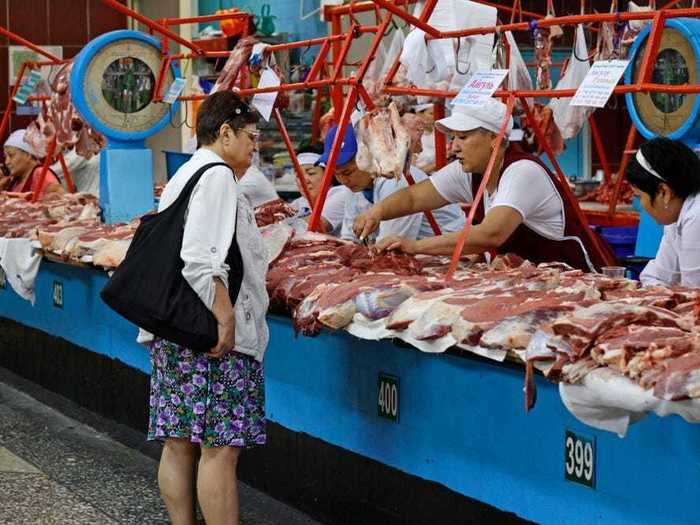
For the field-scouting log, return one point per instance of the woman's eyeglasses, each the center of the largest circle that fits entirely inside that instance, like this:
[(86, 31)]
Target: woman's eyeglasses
[(252, 135)]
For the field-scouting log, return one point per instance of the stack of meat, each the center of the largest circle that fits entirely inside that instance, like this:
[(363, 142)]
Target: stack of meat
[(650, 335), (272, 212), (19, 218), (587, 320), (604, 193), (68, 226)]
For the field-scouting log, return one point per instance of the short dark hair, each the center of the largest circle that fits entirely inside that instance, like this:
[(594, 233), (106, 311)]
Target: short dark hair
[(673, 160), (218, 109), (306, 147)]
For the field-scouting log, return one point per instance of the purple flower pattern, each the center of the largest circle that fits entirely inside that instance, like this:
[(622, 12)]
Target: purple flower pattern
[(214, 402)]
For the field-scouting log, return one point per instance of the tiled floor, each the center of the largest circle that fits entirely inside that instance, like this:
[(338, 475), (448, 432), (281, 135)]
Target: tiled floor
[(56, 470)]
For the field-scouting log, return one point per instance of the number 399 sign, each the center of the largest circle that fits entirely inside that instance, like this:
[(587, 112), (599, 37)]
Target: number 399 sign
[(579, 459)]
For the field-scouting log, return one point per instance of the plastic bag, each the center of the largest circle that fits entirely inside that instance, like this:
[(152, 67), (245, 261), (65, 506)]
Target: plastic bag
[(415, 59), (571, 119), (518, 75), (373, 77)]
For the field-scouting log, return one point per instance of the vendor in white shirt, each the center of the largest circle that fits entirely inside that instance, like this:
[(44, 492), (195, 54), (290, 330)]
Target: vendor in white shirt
[(367, 190), (334, 207), (665, 175), (522, 212)]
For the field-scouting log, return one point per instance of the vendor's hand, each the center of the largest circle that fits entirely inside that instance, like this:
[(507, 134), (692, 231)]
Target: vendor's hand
[(227, 339), (367, 223), (397, 243)]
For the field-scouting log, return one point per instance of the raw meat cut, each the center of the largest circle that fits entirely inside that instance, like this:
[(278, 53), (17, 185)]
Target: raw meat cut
[(680, 378), (239, 57), (272, 212), (415, 127), (111, 254), (383, 142)]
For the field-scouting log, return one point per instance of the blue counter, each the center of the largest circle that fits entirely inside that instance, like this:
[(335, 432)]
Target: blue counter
[(461, 420)]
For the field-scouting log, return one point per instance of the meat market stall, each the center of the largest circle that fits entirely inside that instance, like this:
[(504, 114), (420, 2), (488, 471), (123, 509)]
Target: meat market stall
[(486, 392)]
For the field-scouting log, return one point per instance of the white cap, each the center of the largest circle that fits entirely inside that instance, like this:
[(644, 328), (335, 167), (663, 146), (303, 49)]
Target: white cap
[(16, 140), (516, 135), (308, 158), (489, 116)]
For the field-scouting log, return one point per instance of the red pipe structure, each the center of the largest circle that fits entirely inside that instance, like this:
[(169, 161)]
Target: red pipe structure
[(339, 42), (480, 192), (153, 25)]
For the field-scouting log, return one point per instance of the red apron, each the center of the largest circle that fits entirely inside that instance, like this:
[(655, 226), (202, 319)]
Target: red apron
[(579, 247)]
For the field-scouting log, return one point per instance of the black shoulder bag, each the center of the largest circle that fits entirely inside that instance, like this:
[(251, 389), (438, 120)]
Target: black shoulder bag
[(148, 288)]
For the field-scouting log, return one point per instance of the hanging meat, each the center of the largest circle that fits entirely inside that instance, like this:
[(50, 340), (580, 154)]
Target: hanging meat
[(62, 122), (545, 121), (415, 127), (382, 142), (238, 57), (544, 41)]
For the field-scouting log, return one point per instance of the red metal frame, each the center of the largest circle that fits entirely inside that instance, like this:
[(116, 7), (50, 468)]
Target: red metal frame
[(5, 123), (480, 192), (338, 43)]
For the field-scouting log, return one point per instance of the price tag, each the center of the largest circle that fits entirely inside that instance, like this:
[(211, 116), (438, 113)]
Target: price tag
[(597, 87), (480, 86), (28, 87), (174, 90), (579, 459), (388, 397), (58, 294)]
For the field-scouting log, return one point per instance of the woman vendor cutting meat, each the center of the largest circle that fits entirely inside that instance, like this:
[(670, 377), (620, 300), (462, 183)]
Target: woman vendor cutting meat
[(665, 175), (25, 169), (522, 212)]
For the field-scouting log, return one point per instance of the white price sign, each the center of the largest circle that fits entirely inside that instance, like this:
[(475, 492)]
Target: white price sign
[(597, 87), (264, 102), (480, 86)]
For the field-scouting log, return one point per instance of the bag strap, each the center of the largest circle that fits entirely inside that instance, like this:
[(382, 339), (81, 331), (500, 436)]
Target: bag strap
[(194, 179)]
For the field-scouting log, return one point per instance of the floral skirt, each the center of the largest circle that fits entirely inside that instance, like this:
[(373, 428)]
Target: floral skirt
[(213, 402)]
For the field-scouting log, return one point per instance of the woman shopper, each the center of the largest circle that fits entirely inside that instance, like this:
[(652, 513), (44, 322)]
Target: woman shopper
[(665, 175), (24, 168), (213, 402)]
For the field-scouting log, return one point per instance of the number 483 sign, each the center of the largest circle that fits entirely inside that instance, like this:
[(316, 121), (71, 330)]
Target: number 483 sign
[(579, 459)]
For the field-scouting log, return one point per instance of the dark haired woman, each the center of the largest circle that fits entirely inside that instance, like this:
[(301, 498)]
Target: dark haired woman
[(665, 175), (214, 402), (24, 168)]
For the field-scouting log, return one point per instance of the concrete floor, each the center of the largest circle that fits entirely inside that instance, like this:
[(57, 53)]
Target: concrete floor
[(55, 469)]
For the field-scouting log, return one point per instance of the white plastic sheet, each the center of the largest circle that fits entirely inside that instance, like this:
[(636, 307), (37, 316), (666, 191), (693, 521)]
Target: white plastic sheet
[(571, 119), (20, 262), (609, 401)]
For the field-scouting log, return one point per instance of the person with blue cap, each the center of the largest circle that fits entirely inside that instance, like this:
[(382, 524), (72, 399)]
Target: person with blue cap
[(523, 210), (367, 190)]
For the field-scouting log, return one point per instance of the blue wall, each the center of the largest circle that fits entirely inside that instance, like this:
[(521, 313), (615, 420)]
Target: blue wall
[(286, 11), (461, 420)]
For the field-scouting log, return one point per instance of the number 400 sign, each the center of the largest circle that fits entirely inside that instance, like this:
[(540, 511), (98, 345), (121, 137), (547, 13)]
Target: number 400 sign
[(579, 459)]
